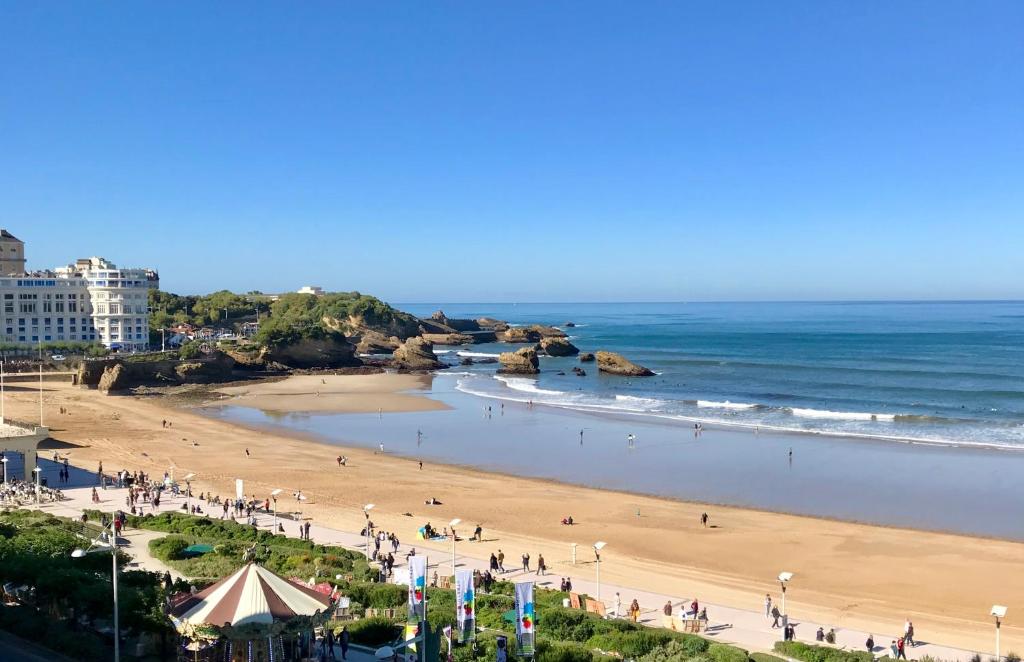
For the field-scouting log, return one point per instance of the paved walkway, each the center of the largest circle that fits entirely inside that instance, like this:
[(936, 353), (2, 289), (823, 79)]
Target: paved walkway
[(748, 629)]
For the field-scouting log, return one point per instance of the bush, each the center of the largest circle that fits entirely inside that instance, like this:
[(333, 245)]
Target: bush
[(809, 653), (726, 653), (169, 548), (374, 631), (562, 651), (633, 644)]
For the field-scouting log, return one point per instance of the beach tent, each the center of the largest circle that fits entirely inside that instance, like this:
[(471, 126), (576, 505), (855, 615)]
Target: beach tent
[(251, 596)]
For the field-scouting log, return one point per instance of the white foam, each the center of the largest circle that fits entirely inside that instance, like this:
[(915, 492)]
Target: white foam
[(479, 355), (841, 415), (443, 351), (725, 405), (525, 385), (645, 404)]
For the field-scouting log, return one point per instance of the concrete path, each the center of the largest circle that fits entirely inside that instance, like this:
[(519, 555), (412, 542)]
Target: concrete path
[(745, 628)]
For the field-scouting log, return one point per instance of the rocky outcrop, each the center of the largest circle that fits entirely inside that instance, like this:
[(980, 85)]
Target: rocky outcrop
[(578, 371), (520, 362), (416, 354), (547, 331), (374, 342), (569, 325), (616, 364), (214, 370), (518, 334), (114, 379), (586, 357), (558, 347), (491, 324), (332, 351), (448, 338)]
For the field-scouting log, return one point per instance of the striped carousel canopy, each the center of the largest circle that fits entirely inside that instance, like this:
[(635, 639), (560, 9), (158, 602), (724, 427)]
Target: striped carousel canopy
[(253, 594)]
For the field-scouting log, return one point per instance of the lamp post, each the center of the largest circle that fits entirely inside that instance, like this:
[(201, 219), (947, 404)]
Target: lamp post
[(784, 578), (4, 461), (273, 496), (999, 613), (2, 419), (598, 546), (451, 525), (37, 471), (79, 553), (188, 492), (366, 511)]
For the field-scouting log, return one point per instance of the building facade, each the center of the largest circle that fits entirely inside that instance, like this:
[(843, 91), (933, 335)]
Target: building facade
[(91, 301)]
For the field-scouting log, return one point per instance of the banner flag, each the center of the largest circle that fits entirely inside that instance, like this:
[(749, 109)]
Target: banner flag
[(417, 587), (465, 605), (526, 621), (239, 489)]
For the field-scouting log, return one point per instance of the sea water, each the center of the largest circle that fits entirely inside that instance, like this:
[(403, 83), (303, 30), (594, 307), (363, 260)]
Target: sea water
[(943, 372)]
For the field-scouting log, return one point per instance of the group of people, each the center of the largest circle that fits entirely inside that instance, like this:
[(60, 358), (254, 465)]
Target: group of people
[(22, 492)]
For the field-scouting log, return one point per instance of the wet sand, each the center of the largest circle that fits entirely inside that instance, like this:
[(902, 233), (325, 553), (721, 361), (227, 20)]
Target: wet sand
[(849, 574)]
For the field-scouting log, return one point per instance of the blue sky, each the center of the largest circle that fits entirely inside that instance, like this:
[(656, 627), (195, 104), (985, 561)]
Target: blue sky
[(549, 151)]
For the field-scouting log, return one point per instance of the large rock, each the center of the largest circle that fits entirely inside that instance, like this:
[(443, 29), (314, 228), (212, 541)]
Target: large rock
[(616, 364), (374, 342), (218, 368), (491, 324), (558, 347), (518, 334), (547, 331), (520, 362), (331, 351), (449, 338), (114, 378), (417, 354), (586, 357)]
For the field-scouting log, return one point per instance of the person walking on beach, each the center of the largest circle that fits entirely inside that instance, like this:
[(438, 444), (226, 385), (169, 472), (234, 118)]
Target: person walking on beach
[(667, 609), (526, 562), (704, 520), (617, 605), (908, 633), (870, 643), (895, 650), (541, 566), (776, 615), (634, 611), (501, 560), (767, 605), (901, 648)]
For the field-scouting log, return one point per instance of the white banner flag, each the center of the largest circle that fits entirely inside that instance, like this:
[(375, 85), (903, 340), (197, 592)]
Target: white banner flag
[(239, 489), (526, 620), (465, 605), (417, 587)]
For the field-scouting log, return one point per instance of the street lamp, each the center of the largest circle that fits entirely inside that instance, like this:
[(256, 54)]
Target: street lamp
[(366, 511), (4, 460), (79, 553), (784, 578), (188, 491), (2, 419), (999, 612), (598, 546), (273, 496), (451, 525), (37, 471)]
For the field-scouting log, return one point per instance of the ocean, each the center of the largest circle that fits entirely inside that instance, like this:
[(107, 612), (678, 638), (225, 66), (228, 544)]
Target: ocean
[(937, 372)]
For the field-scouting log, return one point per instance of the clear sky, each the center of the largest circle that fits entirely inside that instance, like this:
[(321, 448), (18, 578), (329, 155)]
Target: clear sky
[(523, 151)]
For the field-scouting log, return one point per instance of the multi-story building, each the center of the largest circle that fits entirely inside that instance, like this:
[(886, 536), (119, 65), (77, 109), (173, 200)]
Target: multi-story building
[(91, 300)]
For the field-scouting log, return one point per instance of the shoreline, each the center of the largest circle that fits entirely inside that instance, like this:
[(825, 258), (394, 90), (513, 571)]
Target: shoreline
[(718, 423), (852, 575), (348, 445)]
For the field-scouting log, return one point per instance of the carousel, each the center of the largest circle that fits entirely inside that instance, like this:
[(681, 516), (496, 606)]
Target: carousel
[(252, 615)]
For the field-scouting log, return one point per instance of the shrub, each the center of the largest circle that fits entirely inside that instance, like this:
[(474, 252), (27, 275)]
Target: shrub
[(809, 653), (632, 644), (726, 653), (169, 548), (374, 631)]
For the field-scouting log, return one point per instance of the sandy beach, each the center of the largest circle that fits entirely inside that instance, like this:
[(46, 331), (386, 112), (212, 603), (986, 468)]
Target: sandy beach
[(852, 575)]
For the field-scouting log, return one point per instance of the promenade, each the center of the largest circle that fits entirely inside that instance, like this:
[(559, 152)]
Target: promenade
[(748, 629)]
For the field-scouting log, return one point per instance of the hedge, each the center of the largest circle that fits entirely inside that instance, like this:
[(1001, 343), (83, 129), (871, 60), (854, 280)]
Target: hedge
[(809, 653)]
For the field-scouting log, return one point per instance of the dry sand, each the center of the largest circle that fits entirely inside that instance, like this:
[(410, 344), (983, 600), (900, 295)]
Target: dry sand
[(335, 393), (851, 575)]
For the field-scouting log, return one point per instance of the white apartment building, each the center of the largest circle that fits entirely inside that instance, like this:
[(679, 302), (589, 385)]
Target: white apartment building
[(91, 300)]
